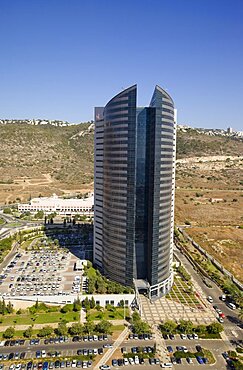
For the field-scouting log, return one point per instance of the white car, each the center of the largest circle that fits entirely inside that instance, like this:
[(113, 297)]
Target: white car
[(183, 336), (74, 363), (166, 365), (136, 360), (105, 367), (125, 361)]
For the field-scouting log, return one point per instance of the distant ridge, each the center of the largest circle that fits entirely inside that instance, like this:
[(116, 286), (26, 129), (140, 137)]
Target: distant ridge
[(36, 122)]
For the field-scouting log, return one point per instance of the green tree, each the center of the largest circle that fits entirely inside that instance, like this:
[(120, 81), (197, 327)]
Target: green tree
[(62, 329), (241, 314), (66, 308), (92, 303), (77, 305), (28, 332), (75, 329), (39, 215), (7, 211), (9, 307), (141, 327), (185, 326), (86, 303), (91, 286), (201, 329), (46, 331), (104, 327), (135, 317), (100, 286), (4, 307), (9, 333), (88, 327), (169, 327), (215, 328)]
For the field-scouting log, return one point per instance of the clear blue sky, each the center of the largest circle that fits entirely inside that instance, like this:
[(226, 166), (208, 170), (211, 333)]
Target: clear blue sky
[(60, 58)]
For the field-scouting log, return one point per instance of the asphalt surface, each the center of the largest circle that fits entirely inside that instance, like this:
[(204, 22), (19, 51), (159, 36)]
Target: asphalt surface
[(70, 349), (232, 325)]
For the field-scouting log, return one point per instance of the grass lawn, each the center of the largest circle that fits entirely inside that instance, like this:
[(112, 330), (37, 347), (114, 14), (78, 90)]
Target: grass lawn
[(117, 314), (39, 318), (1, 221)]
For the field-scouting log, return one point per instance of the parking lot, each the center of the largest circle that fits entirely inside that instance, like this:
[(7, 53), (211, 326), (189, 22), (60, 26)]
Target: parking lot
[(47, 271), (59, 352)]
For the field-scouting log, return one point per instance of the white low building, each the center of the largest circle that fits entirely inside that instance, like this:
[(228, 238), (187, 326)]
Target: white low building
[(66, 207)]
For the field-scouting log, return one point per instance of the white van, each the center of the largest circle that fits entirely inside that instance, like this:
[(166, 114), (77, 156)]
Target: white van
[(231, 305)]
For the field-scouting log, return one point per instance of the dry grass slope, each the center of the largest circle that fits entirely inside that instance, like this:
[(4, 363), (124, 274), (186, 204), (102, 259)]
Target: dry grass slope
[(46, 159)]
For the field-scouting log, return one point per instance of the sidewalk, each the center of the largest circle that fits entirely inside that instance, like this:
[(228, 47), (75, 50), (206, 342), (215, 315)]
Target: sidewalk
[(35, 326), (110, 351)]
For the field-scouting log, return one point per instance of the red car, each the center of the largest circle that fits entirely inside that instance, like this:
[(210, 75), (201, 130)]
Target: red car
[(222, 315)]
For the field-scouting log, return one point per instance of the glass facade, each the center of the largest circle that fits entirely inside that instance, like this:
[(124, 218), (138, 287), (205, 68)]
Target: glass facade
[(134, 189)]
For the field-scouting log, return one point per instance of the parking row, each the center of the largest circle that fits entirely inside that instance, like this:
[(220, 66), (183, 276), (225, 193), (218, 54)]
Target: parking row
[(181, 336), (145, 336), (54, 340), (48, 365)]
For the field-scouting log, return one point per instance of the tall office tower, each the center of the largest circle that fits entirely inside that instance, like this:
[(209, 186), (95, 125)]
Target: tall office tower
[(134, 190)]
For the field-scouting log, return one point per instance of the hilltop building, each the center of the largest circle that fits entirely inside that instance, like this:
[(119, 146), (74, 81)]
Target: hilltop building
[(134, 190), (66, 207)]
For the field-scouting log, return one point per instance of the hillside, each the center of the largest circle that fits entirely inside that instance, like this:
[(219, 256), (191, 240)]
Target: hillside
[(43, 159), (36, 154), (194, 144)]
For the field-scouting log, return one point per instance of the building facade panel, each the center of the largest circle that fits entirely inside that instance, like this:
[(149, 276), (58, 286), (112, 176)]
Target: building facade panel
[(136, 157)]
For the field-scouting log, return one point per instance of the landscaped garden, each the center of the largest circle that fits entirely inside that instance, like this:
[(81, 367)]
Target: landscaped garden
[(97, 283), (37, 314), (182, 292)]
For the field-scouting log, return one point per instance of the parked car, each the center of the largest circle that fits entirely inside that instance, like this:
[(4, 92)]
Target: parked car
[(125, 361), (198, 348), (199, 359), (105, 367), (166, 365)]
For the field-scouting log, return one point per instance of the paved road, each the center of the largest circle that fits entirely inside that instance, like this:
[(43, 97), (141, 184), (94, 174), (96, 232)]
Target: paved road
[(68, 349), (232, 325), (74, 345), (217, 346)]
